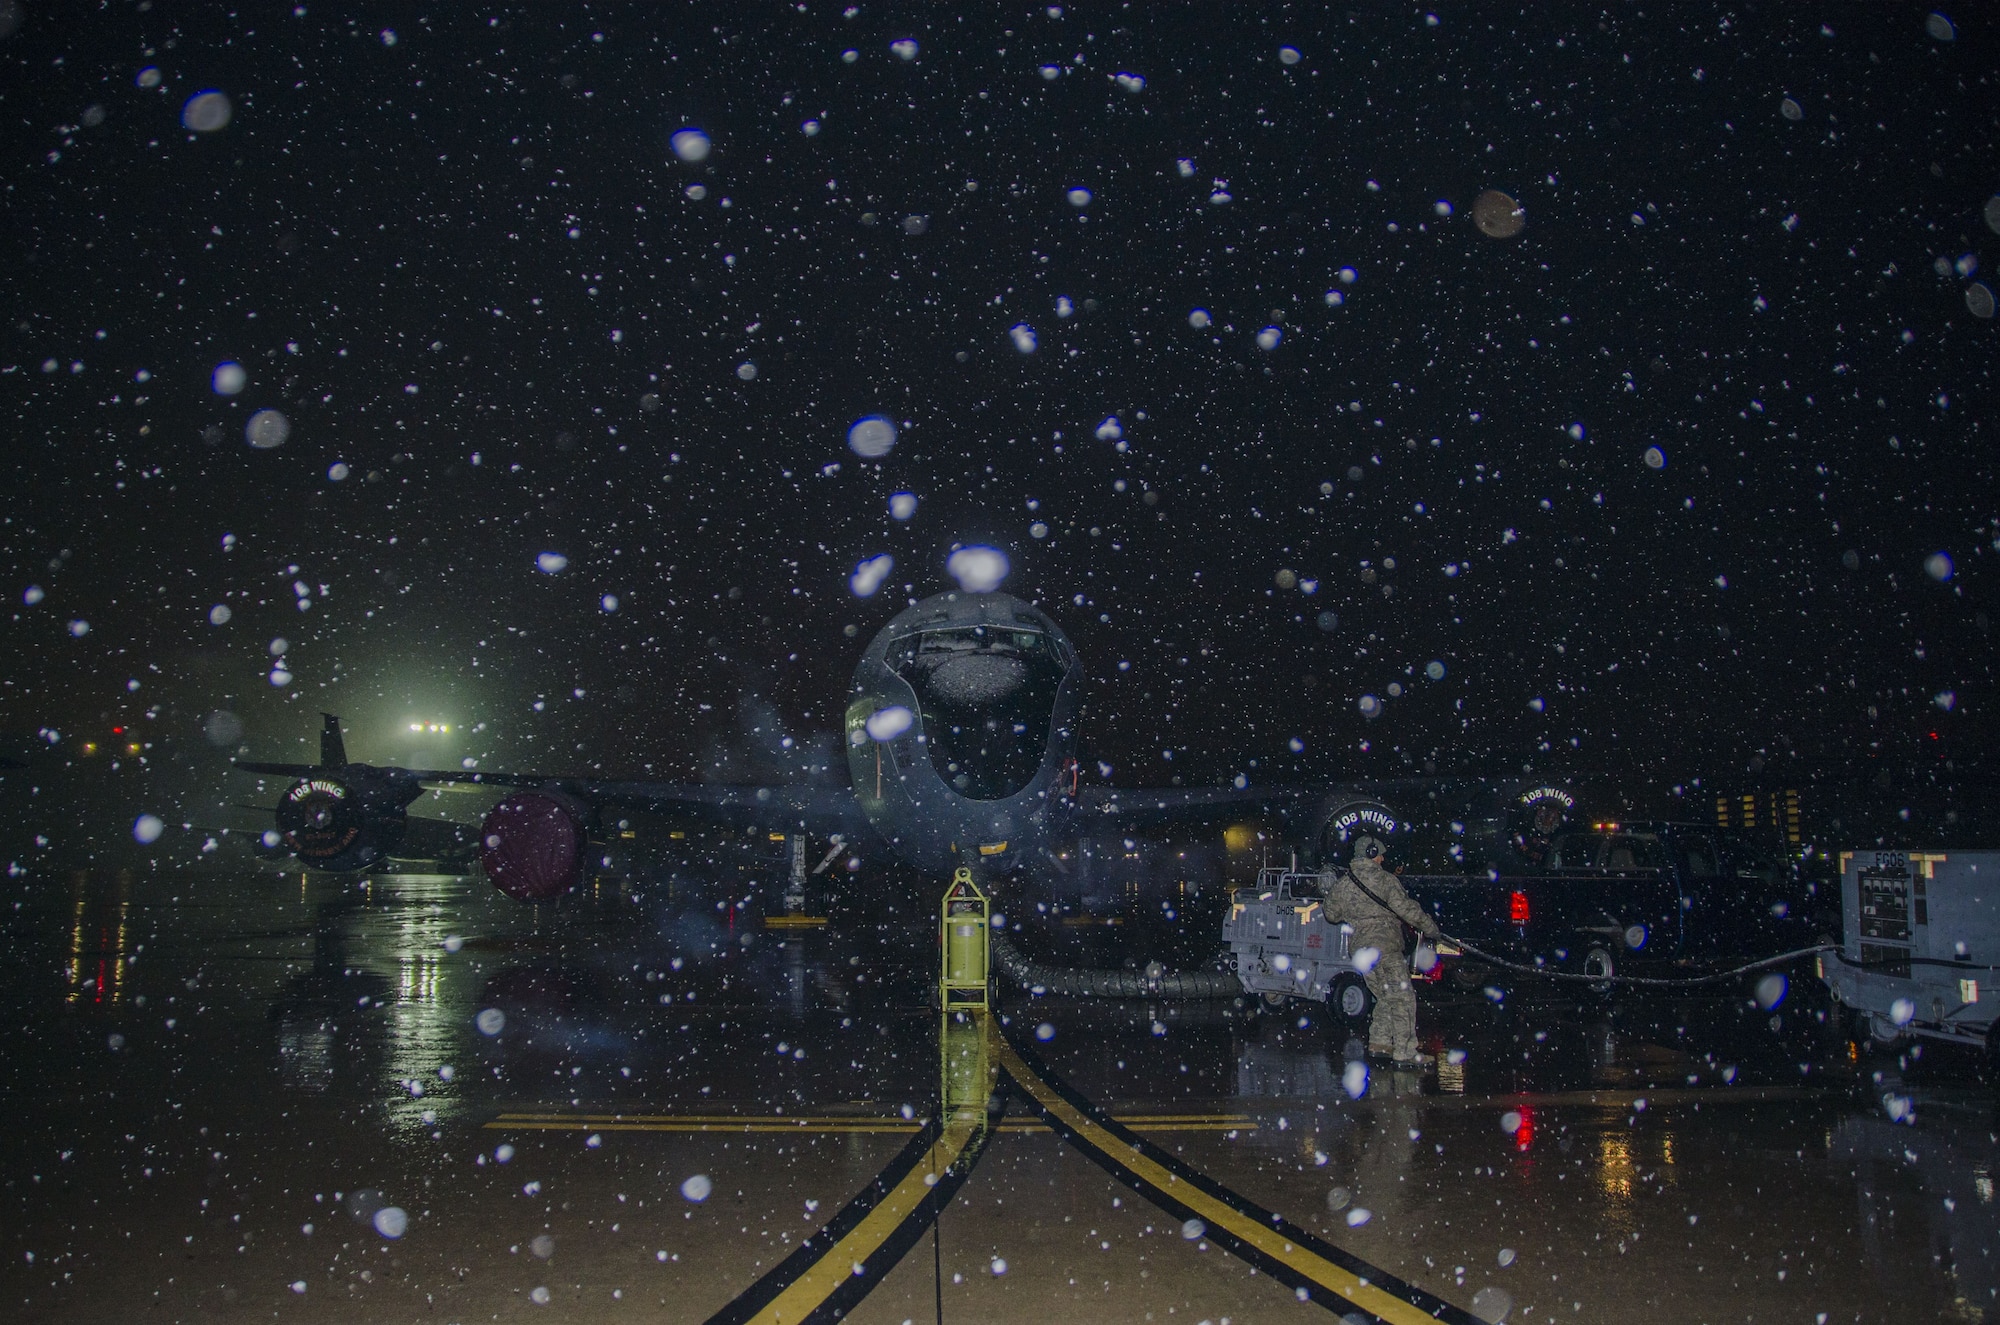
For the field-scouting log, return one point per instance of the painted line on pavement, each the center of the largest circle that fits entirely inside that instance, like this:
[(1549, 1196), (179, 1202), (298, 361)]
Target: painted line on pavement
[(1336, 1279), (831, 1271), (740, 1126)]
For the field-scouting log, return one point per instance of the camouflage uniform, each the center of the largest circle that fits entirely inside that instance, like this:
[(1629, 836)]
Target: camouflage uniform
[(1393, 1028)]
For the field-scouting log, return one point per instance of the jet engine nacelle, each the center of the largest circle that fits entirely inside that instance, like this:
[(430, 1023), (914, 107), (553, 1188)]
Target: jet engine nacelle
[(1537, 815), (1341, 819), (531, 845), (333, 824)]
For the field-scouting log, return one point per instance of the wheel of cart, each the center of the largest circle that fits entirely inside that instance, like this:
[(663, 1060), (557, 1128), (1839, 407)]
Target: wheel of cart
[(1351, 1006), (1874, 1033)]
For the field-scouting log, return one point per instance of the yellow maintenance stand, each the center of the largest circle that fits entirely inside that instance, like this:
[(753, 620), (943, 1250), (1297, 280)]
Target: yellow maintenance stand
[(964, 933)]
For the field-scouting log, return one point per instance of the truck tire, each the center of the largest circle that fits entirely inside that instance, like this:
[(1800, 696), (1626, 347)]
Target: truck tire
[(1352, 1005), (1598, 962)]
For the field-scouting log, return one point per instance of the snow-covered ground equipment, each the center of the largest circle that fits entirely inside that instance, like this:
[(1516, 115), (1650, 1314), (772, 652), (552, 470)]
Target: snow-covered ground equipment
[(1920, 946), (1285, 947)]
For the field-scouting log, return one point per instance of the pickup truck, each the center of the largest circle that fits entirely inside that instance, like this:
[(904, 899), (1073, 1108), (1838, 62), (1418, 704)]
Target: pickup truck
[(1637, 898)]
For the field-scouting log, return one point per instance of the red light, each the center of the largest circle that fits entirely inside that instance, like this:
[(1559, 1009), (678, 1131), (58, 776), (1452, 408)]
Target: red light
[(1524, 1136), (1517, 908), (117, 731)]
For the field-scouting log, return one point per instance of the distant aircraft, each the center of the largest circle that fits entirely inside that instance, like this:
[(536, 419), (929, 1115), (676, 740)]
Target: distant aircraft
[(345, 816), (961, 737)]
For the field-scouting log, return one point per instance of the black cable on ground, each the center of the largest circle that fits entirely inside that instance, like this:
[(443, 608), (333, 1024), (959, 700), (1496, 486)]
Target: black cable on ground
[(937, 1254), (1081, 982)]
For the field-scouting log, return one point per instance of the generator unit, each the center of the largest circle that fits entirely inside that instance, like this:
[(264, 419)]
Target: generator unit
[(1285, 947), (1920, 946)]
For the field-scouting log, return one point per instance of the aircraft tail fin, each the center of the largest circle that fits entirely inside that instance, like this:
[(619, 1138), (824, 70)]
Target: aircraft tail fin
[(332, 749)]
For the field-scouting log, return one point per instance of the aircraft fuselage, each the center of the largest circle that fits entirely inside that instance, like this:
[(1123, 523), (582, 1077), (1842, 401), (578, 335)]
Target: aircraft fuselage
[(961, 731)]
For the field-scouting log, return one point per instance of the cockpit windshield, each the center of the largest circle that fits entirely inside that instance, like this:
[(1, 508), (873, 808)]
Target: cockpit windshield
[(987, 693)]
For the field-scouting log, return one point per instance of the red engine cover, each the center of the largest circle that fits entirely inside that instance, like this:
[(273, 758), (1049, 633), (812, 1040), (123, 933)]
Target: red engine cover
[(531, 846)]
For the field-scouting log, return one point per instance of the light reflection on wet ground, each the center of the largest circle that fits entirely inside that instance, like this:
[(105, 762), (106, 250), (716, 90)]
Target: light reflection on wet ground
[(203, 1065)]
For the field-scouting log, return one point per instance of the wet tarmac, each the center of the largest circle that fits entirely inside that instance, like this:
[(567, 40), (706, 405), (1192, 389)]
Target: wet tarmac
[(257, 1096)]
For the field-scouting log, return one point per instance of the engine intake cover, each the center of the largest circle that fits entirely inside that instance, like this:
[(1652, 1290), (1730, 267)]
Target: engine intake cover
[(1537, 815), (329, 825), (531, 845), (1344, 818)]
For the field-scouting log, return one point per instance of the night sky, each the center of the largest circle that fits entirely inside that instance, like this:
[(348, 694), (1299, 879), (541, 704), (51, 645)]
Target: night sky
[(462, 257)]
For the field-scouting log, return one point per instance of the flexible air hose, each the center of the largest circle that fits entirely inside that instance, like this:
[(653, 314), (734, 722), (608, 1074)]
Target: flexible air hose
[(1578, 977), (1081, 982), (1648, 982)]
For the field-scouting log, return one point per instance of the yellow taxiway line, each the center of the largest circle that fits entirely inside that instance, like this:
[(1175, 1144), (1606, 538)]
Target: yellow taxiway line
[(1334, 1278), (829, 1274), (807, 1293), (738, 1125)]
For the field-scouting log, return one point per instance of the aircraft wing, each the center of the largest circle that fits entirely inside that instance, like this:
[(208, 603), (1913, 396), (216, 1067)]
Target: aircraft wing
[(413, 774), (1140, 808), (821, 810), (1155, 807)]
